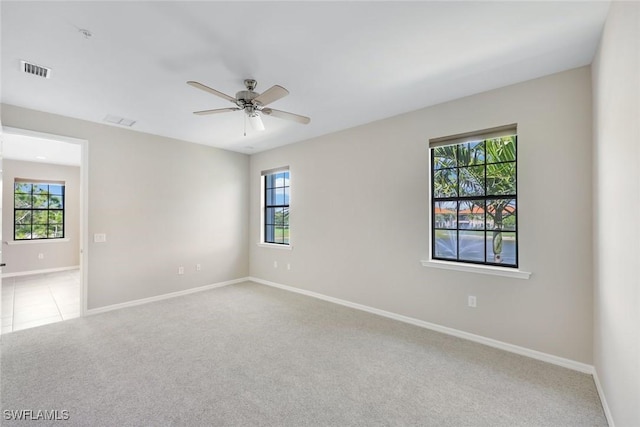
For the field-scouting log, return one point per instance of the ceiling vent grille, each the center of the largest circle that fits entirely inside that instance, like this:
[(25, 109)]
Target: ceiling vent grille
[(36, 70)]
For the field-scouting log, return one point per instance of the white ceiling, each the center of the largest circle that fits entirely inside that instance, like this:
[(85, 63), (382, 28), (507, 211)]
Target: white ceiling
[(31, 148), (345, 63)]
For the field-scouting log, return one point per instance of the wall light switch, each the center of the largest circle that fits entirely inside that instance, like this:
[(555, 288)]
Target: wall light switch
[(471, 301), (99, 238)]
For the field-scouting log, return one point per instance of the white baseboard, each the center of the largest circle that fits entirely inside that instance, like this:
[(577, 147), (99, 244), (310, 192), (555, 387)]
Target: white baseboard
[(534, 354), (47, 270), (603, 400), (163, 296)]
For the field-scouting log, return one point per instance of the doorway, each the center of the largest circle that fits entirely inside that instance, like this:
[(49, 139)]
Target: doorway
[(43, 228)]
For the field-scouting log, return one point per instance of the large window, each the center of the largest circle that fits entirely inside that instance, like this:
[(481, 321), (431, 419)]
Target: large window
[(38, 210), (276, 206), (474, 197)]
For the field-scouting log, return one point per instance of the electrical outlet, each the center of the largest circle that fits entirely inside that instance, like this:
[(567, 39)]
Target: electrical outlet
[(99, 238), (180, 270), (40, 256), (275, 264), (198, 267), (471, 301), (288, 266)]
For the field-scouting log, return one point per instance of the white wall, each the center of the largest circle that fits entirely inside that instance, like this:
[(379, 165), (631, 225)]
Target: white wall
[(24, 257), (360, 217), (163, 203), (616, 83)]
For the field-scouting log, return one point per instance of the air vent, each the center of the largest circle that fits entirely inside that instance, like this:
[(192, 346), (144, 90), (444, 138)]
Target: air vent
[(36, 70), (119, 120)]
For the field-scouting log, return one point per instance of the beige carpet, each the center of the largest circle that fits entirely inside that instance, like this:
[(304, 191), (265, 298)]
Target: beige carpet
[(248, 354)]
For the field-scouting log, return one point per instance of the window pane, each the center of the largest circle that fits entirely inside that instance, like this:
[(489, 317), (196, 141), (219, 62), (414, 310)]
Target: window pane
[(501, 149), (279, 196), (22, 201), (39, 232), (22, 187), (472, 246), (40, 189), (444, 157), (500, 211), (55, 217), (23, 232), (471, 181), (40, 201), (501, 247), (445, 183), (445, 215), (285, 234), (279, 237), (471, 153), (55, 231), (446, 245), (40, 217), (270, 197), (471, 215), (285, 217), (23, 217), (279, 216), (269, 233), (501, 179), (56, 189), (55, 202), (282, 179)]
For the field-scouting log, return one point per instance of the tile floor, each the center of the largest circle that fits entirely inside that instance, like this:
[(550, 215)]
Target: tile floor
[(39, 299)]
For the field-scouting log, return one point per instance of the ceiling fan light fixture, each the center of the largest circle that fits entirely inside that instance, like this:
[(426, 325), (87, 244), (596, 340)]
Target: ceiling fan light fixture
[(256, 121)]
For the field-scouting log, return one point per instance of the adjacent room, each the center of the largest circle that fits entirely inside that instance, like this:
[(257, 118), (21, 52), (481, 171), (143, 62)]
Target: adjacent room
[(320, 213)]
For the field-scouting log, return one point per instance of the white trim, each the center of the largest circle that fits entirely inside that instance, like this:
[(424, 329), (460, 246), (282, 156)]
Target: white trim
[(603, 400), (46, 270), (534, 354), (36, 241), (482, 269), (275, 246), (163, 296)]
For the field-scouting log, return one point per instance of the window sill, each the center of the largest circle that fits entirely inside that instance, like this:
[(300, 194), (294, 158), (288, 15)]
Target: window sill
[(275, 246), (481, 269), (34, 242)]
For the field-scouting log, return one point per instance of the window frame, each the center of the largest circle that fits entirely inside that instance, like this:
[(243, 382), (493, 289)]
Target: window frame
[(265, 205), (31, 209), (491, 267)]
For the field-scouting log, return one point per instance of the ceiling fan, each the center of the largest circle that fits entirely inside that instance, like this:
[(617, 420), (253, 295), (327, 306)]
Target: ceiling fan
[(252, 103)]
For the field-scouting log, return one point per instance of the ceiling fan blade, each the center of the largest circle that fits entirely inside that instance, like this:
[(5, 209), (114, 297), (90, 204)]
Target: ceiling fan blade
[(217, 110), (256, 122), (284, 115), (272, 94), (212, 91)]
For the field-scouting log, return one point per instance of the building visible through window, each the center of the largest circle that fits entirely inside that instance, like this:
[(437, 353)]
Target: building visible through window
[(276, 206), (38, 210), (474, 197)]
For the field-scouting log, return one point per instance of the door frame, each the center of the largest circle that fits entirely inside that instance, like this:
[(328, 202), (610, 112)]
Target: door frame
[(84, 205)]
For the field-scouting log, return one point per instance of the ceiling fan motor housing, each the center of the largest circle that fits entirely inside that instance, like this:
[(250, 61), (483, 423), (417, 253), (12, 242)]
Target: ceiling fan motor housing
[(244, 97)]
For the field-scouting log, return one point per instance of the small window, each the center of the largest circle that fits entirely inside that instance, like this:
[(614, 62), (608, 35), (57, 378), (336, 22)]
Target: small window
[(38, 210), (276, 206), (474, 197)]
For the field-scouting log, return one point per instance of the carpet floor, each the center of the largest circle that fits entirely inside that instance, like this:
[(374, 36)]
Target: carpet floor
[(251, 355)]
